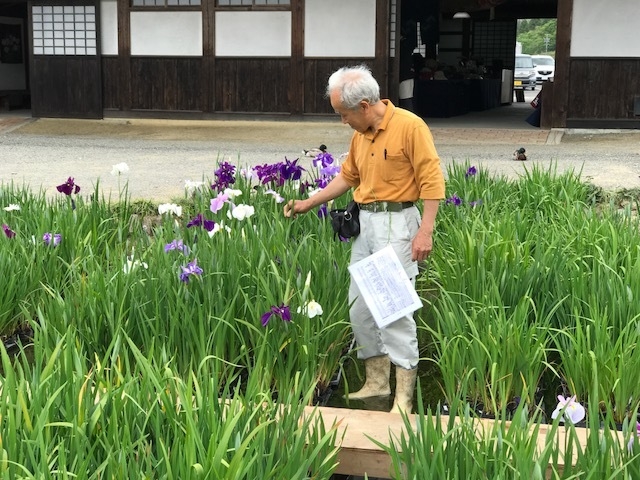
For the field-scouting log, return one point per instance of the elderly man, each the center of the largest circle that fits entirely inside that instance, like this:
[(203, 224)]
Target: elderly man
[(392, 163)]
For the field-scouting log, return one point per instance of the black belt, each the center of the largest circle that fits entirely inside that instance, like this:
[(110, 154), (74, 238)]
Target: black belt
[(385, 206)]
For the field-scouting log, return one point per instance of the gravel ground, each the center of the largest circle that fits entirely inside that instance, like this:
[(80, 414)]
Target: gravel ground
[(163, 154)]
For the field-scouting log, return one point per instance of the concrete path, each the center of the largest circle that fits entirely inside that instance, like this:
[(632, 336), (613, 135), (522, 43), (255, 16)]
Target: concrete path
[(163, 154)]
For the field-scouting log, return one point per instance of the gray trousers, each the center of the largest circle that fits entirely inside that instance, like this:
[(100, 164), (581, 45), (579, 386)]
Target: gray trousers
[(398, 339)]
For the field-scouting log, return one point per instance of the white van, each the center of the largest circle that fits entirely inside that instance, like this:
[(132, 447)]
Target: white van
[(545, 67), (524, 75)]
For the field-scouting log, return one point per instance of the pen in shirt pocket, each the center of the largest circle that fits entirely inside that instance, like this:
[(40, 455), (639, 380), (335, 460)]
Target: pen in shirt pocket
[(385, 153)]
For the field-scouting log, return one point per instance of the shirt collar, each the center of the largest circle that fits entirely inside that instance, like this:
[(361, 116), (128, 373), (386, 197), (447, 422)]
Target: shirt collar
[(391, 108), (385, 120)]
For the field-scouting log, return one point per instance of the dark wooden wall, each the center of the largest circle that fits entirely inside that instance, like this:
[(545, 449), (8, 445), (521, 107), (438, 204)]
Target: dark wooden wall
[(602, 91), (316, 74), (65, 86), (243, 85), (155, 84), (166, 84), (111, 93), (257, 85)]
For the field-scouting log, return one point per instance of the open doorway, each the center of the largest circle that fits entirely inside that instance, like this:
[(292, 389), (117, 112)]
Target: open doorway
[(471, 58), (14, 57)]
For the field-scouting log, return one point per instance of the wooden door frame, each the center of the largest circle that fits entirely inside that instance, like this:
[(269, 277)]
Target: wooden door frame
[(98, 113)]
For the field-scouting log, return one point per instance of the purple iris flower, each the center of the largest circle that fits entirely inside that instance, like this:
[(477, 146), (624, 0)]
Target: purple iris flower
[(475, 203), (304, 186), (208, 225), (455, 200), (322, 182), (278, 173), (471, 172), (196, 221), (7, 231), (177, 245), (282, 311), (290, 170), (322, 211), (225, 176), (68, 187), (330, 170), (52, 239), (191, 269), (200, 221), (268, 173), (325, 159)]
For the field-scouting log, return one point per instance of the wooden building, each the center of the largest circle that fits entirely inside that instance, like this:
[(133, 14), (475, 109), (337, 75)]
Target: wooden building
[(212, 58)]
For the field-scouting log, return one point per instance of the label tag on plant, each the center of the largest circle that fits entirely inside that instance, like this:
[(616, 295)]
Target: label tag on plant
[(385, 286)]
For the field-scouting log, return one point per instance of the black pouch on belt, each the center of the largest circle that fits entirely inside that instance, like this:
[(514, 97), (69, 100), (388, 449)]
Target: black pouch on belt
[(346, 221)]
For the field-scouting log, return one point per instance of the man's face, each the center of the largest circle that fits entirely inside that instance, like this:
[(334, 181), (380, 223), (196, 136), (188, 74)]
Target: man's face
[(356, 118)]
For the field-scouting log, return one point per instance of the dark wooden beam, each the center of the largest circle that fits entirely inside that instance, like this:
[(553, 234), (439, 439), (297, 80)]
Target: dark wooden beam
[(124, 55), (208, 76), (381, 64), (503, 10), (394, 62), (510, 11), (470, 5), (296, 79), (562, 73)]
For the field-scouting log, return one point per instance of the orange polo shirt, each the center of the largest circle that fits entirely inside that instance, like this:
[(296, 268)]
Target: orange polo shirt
[(397, 163)]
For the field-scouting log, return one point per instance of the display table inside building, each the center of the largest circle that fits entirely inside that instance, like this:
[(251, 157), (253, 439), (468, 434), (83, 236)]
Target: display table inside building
[(448, 98)]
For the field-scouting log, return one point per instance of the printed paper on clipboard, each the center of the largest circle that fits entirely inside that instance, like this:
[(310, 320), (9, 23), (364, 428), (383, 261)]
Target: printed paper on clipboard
[(385, 286)]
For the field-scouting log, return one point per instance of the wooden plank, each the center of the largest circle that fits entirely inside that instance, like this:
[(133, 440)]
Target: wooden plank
[(359, 455), (167, 83), (252, 85), (381, 60), (207, 75), (296, 77), (562, 74), (596, 99), (125, 93), (545, 113)]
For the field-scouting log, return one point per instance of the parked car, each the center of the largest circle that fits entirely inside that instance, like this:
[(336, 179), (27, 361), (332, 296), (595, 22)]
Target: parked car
[(545, 67), (524, 75)]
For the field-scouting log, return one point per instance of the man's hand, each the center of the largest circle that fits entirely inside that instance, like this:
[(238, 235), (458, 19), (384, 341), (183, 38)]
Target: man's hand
[(336, 187), (421, 246), (423, 241), (293, 207)]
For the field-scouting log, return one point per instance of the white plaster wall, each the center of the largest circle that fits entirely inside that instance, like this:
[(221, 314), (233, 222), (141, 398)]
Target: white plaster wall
[(166, 34), (340, 28), (253, 34), (12, 75), (605, 28), (109, 27)]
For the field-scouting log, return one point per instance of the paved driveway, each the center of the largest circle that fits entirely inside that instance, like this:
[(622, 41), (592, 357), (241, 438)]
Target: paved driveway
[(163, 154)]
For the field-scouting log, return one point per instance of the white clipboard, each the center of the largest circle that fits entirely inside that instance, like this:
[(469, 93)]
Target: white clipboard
[(385, 286)]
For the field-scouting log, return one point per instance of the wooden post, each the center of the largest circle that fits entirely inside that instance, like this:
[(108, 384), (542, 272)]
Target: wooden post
[(562, 74)]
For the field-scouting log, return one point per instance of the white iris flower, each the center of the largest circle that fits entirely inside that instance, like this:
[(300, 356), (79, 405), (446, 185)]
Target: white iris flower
[(119, 169), (170, 208), (242, 211), (311, 309)]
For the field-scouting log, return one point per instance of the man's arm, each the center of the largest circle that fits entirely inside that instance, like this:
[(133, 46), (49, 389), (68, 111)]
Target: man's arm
[(423, 241), (336, 187)]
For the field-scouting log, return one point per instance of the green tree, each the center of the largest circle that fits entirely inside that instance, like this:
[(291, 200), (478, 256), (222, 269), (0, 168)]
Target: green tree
[(538, 36)]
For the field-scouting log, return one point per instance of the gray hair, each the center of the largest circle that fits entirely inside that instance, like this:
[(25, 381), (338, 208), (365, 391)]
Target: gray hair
[(355, 84)]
